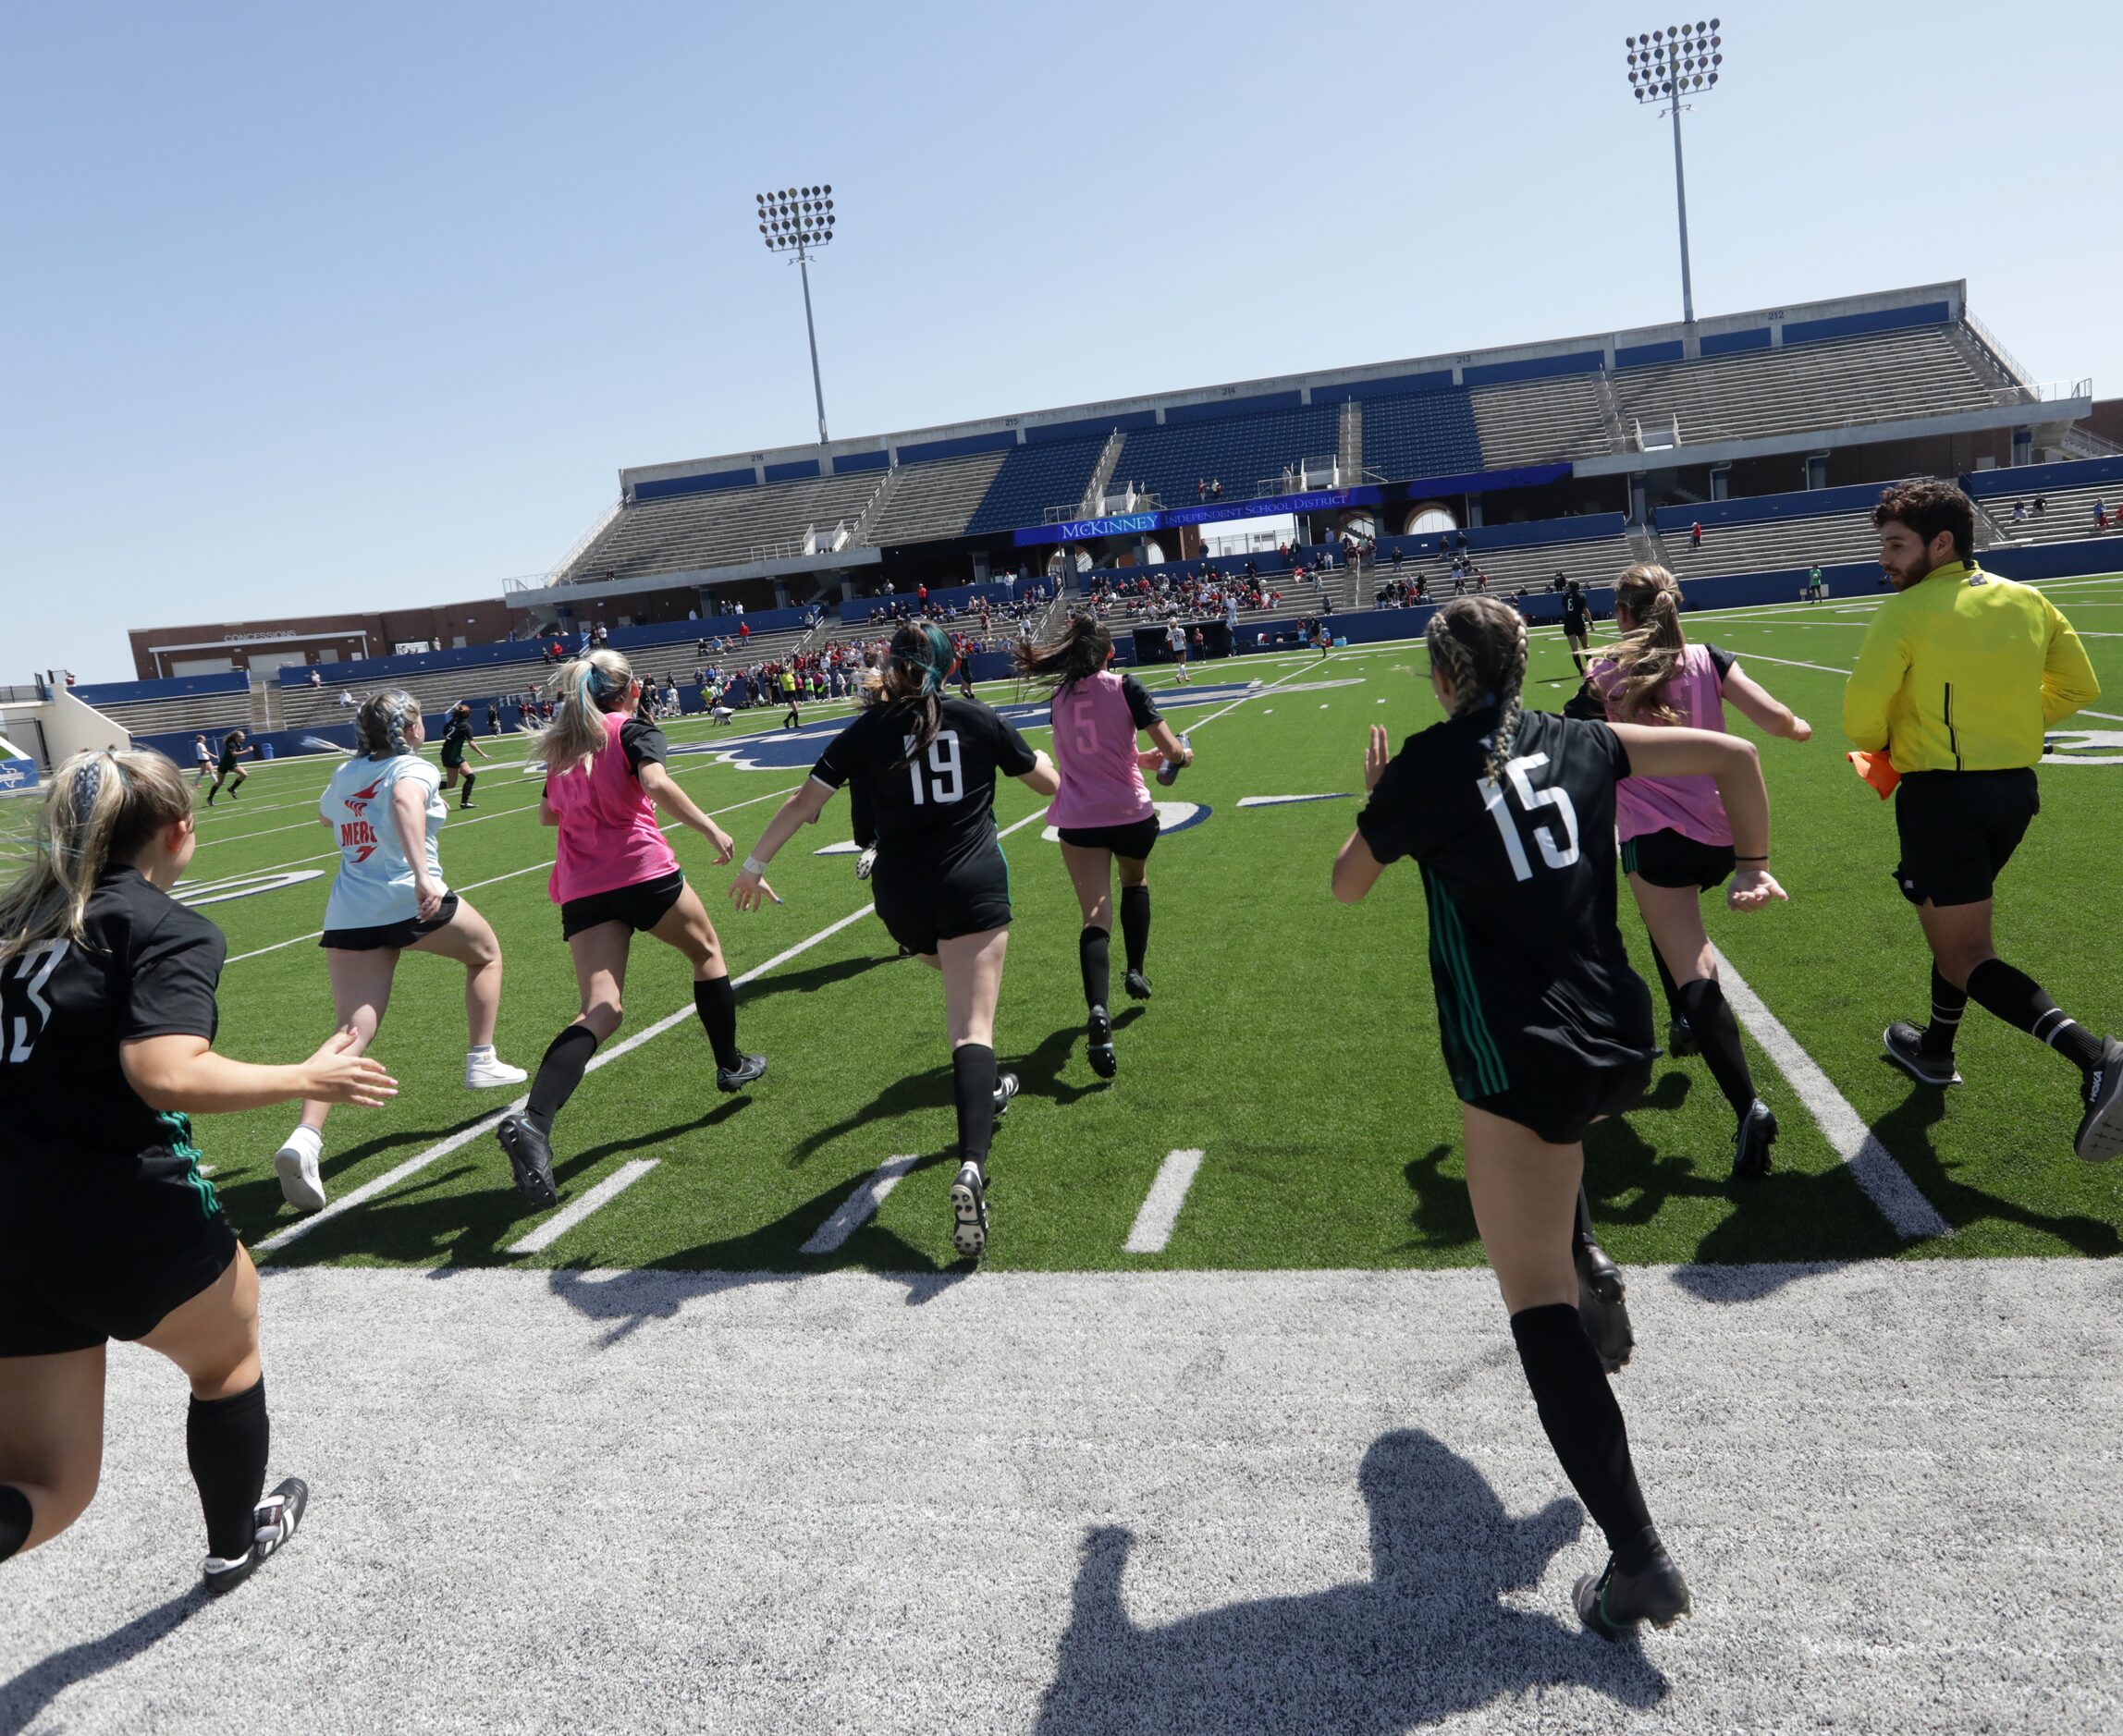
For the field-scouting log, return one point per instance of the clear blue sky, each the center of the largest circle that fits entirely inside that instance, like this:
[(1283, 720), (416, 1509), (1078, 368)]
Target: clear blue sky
[(308, 306)]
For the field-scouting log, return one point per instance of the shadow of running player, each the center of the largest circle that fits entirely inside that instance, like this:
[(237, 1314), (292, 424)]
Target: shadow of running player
[(1423, 1638)]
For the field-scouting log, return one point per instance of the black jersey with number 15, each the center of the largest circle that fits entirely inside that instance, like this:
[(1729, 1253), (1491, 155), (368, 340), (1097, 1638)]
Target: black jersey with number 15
[(1526, 957), (146, 968), (940, 806)]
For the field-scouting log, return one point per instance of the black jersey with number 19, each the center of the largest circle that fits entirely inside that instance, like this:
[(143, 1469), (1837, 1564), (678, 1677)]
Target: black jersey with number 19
[(1533, 985), (939, 808)]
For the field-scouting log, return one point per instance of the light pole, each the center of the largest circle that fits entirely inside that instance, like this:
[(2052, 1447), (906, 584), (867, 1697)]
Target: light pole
[(802, 219), (1663, 64)]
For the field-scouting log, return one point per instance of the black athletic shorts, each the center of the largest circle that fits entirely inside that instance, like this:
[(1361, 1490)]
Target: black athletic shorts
[(226, 766), (640, 907), (1134, 840), (1668, 858), (397, 936), (920, 907), (1958, 829), (95, 1247), (1558, 1104)]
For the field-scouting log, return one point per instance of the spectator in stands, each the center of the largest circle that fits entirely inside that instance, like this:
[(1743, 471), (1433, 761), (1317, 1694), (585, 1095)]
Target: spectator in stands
[(2041, 505), (1216, 488), (1695, 535), (2100, 516), (1200, 488), (1559, 583), (316, 676), (346, 700), (2019, 512)]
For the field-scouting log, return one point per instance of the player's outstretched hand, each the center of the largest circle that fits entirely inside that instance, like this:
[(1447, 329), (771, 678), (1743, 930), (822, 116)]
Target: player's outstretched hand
[(725, 845), (750, 891), (1376, 757), (1753, 888), (334, 1074)]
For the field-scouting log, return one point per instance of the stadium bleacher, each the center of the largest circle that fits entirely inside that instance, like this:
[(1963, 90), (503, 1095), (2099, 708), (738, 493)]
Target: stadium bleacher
[(1428, 433), (691, 532), (2067, 515), (927, 501), (1540, 421), (1032, 479), (1241, 449)]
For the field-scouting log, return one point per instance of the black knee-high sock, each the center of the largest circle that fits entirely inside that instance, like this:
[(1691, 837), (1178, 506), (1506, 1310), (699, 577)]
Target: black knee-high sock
[(470, 778), (716, 1002), (1135, 923), (1094, 959), (1666, 982), (2018, 998), (972, 1091), (560, 1072), (1948, 1005), (14, 1519), (1711, 1019), (1584, 1425), (226, 1441)]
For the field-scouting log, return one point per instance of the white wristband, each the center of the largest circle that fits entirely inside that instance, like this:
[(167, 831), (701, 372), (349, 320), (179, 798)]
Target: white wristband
[(753, 866)]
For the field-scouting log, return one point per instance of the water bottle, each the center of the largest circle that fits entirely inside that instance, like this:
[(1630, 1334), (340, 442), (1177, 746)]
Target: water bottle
[(1169, 773)]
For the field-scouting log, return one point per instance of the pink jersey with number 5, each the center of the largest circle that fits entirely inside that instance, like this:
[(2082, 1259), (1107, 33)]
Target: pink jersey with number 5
[(1095, 721)]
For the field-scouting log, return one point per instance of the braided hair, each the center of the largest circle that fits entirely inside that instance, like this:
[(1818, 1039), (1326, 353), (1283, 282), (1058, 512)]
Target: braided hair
[(102, 806), (383, 728), (1479, 644), (916, 665)]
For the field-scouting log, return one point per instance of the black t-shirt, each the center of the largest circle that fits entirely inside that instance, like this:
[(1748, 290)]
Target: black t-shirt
[(1722, 660), (146, 966), (940, 809), (1526, 959), (453, 739), (1576, 617)]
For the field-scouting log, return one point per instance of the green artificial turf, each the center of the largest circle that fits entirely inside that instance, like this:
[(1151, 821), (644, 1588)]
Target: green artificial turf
[(1291, 1039)]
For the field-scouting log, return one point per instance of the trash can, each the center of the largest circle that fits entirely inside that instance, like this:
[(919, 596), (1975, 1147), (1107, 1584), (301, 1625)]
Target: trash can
[(264, 750)]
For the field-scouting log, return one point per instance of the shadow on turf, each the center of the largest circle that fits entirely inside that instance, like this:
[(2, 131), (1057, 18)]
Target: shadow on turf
[(1425, 1637), (22, 1699)]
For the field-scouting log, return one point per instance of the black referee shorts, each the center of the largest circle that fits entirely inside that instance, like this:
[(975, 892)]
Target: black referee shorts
[(1667, 857), (1134, 840), (640, 907), (920, 906), (1958, 829), (93, 1247)]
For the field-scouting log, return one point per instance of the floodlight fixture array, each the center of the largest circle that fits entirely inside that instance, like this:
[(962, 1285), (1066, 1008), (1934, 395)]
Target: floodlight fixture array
[(797, 222), (1669, 66)]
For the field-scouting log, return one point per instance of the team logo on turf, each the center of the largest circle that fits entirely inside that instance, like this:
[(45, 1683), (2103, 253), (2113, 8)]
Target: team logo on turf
[(2082, 747)]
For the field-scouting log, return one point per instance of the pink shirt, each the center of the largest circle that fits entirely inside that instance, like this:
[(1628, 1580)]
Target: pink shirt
[(1686, 805), (1095, 721), (608, 833)]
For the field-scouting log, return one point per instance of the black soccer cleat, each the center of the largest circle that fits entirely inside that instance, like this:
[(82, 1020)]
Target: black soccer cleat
[(1006, 1088), (1099, 1030), (530, 1156), (1601, 1305), (1904, 1047), (1681, 1040), (2101, 1129), (969, 1211), (1612, 1603), (1752, 1139), (748, 1068), (1138, 985), (273, 1522)]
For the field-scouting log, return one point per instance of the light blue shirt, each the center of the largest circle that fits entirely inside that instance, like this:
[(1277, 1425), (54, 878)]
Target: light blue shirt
[(376, 882)]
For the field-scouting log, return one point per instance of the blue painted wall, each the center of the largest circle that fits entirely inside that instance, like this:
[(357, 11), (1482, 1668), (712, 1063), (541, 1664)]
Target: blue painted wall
[(174, 686), (2034, 479)]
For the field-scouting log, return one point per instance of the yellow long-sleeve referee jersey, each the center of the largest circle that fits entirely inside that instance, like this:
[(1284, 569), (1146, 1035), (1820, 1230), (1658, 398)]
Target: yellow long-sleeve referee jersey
[(1962, 672)]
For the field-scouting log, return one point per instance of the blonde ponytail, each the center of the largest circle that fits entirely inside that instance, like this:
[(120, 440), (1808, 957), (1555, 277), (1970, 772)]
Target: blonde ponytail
[(583, 691), (103, 807), (1650, 652)]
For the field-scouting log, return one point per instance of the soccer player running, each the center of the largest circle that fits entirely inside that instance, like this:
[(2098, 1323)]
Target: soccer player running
[(1545, 1028), (1676, 841), (226, 769), (1577, 626), (1177, 639), (1959, 673), (456, 738), (384, 808), (615, 875), (201, 757), (107, 1227), (1104, 809), (928, 761)]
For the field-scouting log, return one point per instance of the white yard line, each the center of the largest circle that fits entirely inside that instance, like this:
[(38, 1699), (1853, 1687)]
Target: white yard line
[(859, 1208), (575, 1211), (487, 1124), (1886, 1182), (1153, 1225)]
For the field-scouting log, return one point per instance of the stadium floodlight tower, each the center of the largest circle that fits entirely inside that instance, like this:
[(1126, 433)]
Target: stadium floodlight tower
[(1682, 59), (801, 218)]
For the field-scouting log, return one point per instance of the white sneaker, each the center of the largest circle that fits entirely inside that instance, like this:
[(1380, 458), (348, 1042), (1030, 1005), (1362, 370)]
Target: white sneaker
[(487, 1073), (866, 862), (300, 1183)]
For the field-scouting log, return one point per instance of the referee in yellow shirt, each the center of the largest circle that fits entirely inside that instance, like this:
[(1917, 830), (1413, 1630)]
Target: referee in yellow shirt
[(1959, 673)]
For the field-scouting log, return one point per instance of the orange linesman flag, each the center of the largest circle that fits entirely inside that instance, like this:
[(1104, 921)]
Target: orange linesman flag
[(1877, 770)]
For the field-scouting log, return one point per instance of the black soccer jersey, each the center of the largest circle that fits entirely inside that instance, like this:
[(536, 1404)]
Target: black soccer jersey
[(940, 806), (1526, 959), (146, 966), (453, 741), (1576, 617)]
